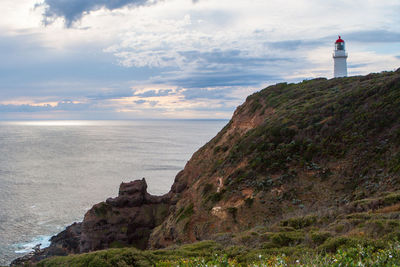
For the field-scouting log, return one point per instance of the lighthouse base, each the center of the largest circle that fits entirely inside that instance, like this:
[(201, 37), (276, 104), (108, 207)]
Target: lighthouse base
[(340, 68)]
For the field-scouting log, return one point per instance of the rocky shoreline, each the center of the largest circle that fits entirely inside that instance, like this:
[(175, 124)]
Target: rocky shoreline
[(127, 219)]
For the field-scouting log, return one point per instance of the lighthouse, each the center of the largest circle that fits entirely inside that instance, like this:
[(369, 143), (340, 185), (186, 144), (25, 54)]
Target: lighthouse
[(339, 58)]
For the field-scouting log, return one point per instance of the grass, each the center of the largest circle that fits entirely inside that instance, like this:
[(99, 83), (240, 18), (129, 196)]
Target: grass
[(364, 239), (208, 253), (101, 209), (356, 256), (186, 213), (300, 222)]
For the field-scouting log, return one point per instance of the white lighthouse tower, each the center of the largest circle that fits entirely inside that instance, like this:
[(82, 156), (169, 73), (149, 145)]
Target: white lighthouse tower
[(339, 58)]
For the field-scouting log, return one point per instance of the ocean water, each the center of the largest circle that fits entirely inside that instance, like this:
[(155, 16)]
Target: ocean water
[(52, 172)]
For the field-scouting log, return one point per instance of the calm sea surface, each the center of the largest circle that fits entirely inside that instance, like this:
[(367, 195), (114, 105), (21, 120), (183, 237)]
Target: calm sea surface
[(52, 172)]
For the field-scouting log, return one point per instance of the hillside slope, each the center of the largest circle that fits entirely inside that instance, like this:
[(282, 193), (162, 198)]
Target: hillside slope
[(290, 149)]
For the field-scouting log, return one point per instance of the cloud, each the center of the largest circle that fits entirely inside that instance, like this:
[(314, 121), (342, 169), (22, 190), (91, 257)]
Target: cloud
[(219, 78), (360, 65), (145, 58), (66, 105), (374, 36), (30, 69), (139, 102), (154, 93), (223, 57), (291, 45), (201, 93), (24, 108), (218, 68), (110, 93), (73, 10)]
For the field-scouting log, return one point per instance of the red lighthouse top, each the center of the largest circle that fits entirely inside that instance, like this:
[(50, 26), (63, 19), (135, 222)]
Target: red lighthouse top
[(339, 40)]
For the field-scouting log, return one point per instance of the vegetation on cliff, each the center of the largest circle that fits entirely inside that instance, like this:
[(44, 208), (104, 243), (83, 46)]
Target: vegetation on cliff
[(290, 150), (188, 256)]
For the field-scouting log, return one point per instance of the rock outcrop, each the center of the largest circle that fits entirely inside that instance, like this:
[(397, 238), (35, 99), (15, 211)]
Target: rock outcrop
[(126, 220)]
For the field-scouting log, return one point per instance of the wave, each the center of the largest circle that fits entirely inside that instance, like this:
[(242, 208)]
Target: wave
[(22, 248)]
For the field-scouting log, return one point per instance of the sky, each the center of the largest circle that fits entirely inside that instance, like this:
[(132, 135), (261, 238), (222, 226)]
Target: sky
[(177, 59)]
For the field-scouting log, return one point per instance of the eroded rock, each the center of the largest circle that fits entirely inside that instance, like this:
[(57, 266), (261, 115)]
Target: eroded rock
[(121, 221), (125, 220)]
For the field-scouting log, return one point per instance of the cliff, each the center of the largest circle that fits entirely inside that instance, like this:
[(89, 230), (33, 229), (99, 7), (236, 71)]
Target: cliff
[(316, 147), (290, 149)]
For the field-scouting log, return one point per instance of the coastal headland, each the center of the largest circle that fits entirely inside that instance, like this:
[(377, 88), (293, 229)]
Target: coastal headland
[(311, 167)]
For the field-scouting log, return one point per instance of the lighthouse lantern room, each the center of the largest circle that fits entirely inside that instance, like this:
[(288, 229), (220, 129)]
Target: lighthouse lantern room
[(340, 58)]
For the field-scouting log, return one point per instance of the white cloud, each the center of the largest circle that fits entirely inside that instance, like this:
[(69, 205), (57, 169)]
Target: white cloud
[(216, 49)]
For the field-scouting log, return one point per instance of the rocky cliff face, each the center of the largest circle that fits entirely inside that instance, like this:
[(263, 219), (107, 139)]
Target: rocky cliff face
[(290, 149), (125, 220)]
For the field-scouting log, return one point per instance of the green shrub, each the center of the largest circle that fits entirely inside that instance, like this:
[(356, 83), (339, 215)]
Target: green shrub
[(300, 222), (334, 243), (215, 197), (101, 209), (186, 213), (117, 244), (287, 238), (392, 198), (98, 261), (319, 237)]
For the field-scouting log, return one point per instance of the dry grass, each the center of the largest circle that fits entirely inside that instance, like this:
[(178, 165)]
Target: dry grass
[(389, 209)]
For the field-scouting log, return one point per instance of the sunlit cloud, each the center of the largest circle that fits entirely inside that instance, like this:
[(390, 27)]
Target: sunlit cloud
[(178, 58)]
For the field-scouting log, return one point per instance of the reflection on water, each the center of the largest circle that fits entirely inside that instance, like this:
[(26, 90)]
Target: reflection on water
[(52, 174)]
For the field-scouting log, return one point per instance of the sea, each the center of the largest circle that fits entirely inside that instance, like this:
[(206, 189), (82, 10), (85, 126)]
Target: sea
[(52, 172)]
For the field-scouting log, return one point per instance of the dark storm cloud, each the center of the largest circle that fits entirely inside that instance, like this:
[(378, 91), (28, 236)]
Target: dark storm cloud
[(73, 10)]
